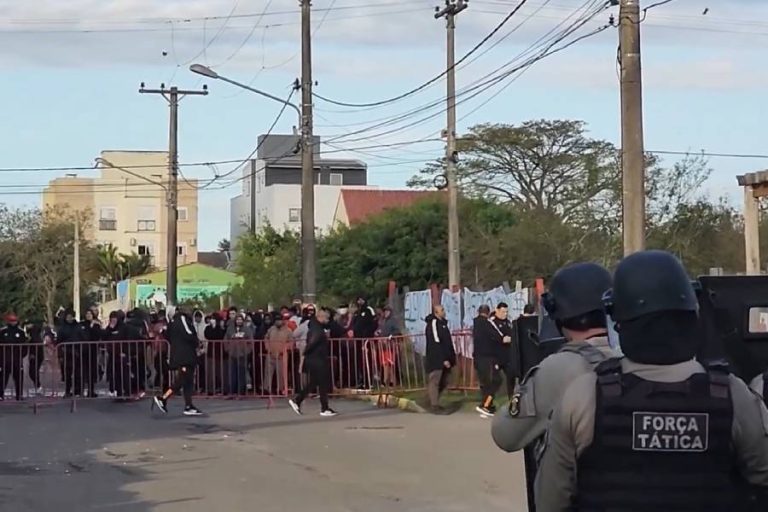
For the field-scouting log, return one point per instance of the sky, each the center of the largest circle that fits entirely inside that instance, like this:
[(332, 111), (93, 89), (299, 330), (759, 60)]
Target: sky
[(71, 73)]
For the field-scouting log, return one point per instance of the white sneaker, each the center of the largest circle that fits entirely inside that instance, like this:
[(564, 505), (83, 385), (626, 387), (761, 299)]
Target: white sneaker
[(296, 407), (328, 413)]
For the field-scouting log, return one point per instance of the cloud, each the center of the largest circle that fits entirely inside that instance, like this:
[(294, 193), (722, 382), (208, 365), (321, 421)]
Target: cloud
[(392, 38)]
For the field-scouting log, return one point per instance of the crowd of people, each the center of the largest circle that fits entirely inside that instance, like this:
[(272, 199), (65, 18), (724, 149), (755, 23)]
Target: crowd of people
[(237, 352)]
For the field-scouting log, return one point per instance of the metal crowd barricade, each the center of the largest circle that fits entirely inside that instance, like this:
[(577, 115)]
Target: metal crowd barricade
[(230, 369), (121, 370)]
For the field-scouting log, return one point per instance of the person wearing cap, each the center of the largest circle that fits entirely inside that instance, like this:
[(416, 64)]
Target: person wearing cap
[(575, 302), (656, 429), (12, 352)]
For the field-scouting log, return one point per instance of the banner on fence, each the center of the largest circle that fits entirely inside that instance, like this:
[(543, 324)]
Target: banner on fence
[(418, 305), (451, 301)]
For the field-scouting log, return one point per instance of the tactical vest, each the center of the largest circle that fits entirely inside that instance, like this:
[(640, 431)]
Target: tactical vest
[(659, 446)]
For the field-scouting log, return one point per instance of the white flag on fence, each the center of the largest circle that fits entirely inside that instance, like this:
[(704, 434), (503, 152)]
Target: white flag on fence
[(416, 308)]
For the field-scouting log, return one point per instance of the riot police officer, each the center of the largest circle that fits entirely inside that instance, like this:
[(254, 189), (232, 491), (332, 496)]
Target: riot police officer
[(574, 302), (760, 386), (655, 430)]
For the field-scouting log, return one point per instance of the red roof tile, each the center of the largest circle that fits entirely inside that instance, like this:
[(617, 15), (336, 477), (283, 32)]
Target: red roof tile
[(362, 204)]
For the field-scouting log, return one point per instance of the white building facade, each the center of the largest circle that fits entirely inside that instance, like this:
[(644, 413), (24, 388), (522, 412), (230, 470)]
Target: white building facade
[(271, 192)]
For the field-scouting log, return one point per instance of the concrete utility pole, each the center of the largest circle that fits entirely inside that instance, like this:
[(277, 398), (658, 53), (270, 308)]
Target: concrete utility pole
[(449, 12), (76, 270), (308, 252), (632, 152), (755, 187), (172, 95)]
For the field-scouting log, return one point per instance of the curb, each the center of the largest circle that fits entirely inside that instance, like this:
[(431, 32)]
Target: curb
[(390, 402)]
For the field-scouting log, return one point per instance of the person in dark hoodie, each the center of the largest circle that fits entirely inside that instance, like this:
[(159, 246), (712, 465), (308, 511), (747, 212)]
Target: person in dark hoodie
[(90, 351), (364, 326), (36, 352), (492, 337), (216, 360), (184, 345), (70, 337), (118, 367), (316, 364), (441, 356)]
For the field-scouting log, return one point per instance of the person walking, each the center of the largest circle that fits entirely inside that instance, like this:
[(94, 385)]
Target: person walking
[(184, 343), (441, 356), (485, 340), (317, 365)]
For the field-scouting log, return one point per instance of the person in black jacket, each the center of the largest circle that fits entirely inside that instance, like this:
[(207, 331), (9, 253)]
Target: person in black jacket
[(364, 326), (36, 352), (441, 356), (118, 367), (184, 344), (12, 352), (89, 361), (505, 335), (485, 340), (317, 364), (70, 337)]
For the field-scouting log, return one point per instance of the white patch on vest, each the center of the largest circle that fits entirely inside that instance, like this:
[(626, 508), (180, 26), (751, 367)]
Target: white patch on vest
[(670, 432)]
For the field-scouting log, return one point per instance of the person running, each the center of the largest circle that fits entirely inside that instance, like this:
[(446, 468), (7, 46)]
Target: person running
[(317, 364), (184, 343)]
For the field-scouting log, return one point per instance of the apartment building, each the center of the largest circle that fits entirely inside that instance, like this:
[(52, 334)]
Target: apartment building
[(127, 205), (271, 187)]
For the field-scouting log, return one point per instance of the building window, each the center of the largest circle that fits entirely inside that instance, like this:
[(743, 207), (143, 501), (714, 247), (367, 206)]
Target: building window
[(146, 225), (146, 218), (294, 214), (145, 250), (337, 179), (181, 250), (183, 214), (108, 219)]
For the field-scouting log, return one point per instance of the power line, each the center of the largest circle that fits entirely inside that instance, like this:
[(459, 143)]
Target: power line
[(434, 79)]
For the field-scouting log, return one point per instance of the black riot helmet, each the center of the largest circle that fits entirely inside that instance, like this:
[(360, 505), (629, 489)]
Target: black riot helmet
[(649, 282), (576, 290)]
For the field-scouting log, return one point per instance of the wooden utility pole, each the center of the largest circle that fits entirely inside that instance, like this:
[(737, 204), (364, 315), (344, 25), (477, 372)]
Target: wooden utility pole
[(632, 151), (449, 12), (308, 252), (755, 187), (172, 95)]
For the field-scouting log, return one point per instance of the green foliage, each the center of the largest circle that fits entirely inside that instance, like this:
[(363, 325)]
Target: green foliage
[(534, 197), (37, 256), (269, 262), (113, 267)]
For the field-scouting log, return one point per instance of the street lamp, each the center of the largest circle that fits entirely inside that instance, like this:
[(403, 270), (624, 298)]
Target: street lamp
[(309, 280), (209, 73)]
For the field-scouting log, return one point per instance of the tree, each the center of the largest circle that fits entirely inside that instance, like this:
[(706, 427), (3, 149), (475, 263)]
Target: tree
[(38, 256), (408, 245), (539, 165), (269, 263), (703, 235)]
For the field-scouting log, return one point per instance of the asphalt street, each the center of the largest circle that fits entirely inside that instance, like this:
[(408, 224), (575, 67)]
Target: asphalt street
[(245, 456)]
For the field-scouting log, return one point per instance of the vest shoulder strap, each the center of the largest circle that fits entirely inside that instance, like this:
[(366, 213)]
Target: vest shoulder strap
[(609, 375), (591, 354)]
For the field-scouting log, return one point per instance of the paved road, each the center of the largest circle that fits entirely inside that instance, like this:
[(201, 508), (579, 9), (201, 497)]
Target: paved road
[(243, 456)]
